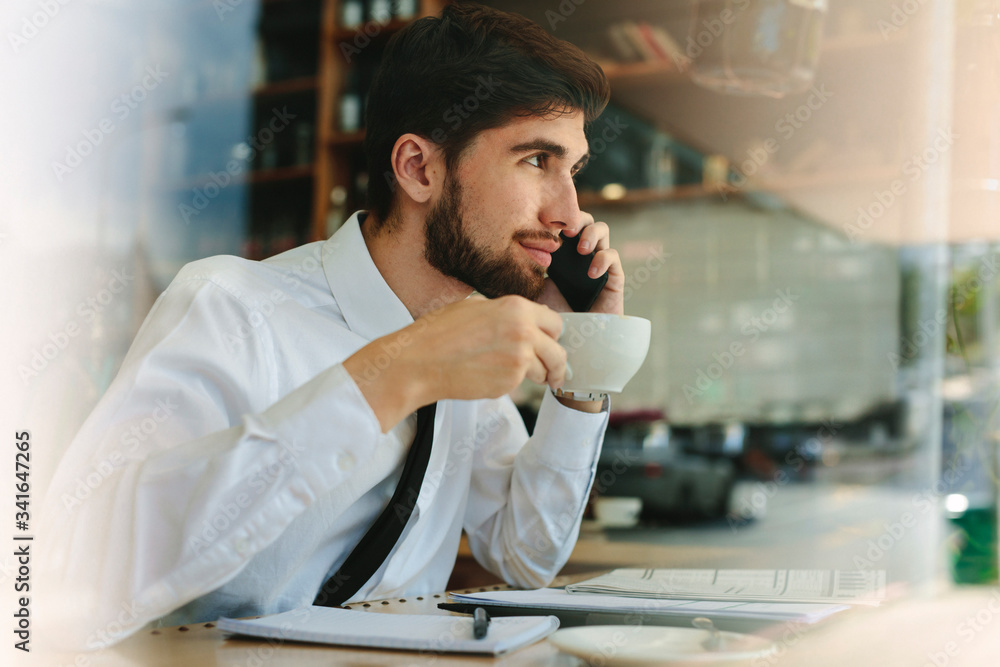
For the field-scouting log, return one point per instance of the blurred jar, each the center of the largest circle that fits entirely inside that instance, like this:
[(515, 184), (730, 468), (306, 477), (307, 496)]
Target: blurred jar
[(755, 47)]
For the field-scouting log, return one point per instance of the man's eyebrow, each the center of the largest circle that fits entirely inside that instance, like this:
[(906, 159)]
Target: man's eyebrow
[(551, 147), (555, 150)]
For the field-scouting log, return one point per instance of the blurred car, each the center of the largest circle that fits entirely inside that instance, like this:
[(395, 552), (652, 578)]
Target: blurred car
[(645, 460)]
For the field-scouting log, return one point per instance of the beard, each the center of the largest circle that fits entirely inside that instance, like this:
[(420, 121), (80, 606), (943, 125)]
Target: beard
[(449, 248)]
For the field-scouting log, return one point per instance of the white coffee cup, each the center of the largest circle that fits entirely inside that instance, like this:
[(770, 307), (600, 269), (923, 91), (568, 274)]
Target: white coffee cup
[(603, 351), (617, 512)]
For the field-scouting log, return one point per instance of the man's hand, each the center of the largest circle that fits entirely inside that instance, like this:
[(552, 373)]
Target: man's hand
[(476, 348), (611, 299)]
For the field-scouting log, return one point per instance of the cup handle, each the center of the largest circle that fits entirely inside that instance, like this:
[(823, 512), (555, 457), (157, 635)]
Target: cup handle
[(569, 371)]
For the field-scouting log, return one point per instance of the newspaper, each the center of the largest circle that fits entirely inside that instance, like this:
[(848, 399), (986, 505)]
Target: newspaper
[(805, 586), (555, 601)]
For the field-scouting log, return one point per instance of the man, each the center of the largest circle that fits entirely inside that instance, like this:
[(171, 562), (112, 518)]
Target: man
[(260, 421)]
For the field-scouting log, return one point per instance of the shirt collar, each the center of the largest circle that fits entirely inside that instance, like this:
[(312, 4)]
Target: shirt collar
[(370, 307)]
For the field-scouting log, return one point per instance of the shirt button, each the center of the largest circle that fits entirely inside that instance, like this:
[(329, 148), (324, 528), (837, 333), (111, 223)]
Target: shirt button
[(345, 461), (241, 547)]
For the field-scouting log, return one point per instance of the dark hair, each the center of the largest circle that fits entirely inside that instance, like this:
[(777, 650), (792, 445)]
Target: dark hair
[(447, 79)]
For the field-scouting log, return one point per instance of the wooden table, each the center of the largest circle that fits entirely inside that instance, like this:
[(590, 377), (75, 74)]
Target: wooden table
[(956, 628)]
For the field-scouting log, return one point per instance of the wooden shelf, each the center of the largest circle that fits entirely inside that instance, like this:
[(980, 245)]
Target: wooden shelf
[(346, 138), (296, 85), (643, 70), (877, 175), (666, 72), (873, 175), (281, 174), (258, 176), (384, 30), (336, 151), (588, 198)]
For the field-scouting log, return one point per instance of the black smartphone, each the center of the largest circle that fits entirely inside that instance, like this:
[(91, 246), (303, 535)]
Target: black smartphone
[(568, 271)]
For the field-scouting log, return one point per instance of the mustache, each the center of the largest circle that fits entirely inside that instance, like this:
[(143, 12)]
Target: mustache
[(536, 235)]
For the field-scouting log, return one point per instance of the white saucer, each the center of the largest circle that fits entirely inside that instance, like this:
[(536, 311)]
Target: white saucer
[(628, 645)]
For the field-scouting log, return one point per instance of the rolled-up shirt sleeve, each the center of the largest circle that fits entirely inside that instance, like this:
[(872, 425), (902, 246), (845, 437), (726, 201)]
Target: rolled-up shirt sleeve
[(189, 466), (527, 495)]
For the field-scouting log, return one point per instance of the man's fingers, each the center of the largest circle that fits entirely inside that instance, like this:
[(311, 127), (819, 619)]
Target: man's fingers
[(537, 372), (596, 235), (553, 358), (547, 320), (604, 261)]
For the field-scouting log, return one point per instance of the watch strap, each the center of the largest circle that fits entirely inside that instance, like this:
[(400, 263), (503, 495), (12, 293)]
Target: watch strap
[(580, 395)]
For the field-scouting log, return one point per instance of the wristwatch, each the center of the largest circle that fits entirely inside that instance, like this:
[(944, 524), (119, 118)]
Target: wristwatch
[(580, 395)]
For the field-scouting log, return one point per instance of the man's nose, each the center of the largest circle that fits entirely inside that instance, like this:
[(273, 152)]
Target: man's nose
[(561, 207)]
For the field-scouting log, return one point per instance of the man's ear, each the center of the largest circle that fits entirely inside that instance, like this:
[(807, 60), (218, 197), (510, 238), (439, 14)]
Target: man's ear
[(418, 166)]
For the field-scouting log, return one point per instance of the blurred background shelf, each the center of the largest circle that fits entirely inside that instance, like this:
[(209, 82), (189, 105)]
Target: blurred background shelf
[(589, 198), (282, 174), (297, 85)]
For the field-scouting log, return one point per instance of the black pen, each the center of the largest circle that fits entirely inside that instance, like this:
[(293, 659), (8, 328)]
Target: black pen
[(480, 623)]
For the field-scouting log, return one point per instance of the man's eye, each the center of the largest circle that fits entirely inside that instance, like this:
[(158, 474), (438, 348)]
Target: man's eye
[(537, 160)]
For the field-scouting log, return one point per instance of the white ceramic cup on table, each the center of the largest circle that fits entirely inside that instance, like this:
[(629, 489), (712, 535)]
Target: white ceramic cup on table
[(603, 351)]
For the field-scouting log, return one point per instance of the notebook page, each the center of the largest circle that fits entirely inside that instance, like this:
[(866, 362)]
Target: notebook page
[(326, 625), (848, 586)]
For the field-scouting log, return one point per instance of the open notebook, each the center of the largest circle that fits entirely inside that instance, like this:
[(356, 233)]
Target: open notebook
[(343, 627)]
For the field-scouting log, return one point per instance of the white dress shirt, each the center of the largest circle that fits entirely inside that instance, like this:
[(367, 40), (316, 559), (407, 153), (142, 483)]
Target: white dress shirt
[(233, 463)]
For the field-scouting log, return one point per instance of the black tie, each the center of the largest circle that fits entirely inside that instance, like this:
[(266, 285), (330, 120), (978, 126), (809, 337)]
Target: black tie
[(378, 542)]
